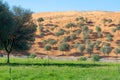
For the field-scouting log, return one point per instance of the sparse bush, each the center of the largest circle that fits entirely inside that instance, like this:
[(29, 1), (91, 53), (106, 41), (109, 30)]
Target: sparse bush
[(32, 55), (86, 37), (52, 42), (90, 48), (78, 32), (64, 47), (73, 36), (99, 35), (69, 25), (67, 32), (41, 34), (52, 28), (113, 30), (117, 51), (90, 31), (41, 28), (47, 47), (110, 35), (84, 29), (98, 29), (97, 43), (76, 44), (40, 19), (87, 41), (106, 49), (109, 39), (83, 58), (109, 20), (81, 48), (66, 39), (95, 57), (46, 30)]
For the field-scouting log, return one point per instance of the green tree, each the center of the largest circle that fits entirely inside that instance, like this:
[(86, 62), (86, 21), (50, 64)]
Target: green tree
[(109, 37), (85, 29), (81, 48), (99, 35), (70, 25), (53, 42), (41, 28), (109, 20), (86, 37), (7, 28), (67, 32), (76, 44), (64, 47), (90, 48), (17, 29), (47, 48), (97, 43), (66, 39), (118, 29), (113, 30), (104, 21), (42, 34), (106, 49), (117, 51), (77, 32), (40, 19), (73, 36), (98, 29), (95, 57)]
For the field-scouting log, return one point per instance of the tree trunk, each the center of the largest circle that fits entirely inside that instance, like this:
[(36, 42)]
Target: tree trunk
[(8, 58)]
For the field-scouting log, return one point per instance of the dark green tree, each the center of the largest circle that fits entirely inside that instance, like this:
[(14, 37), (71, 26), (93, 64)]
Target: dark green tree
[(117, 51), (78, 32), (66, 39), (40, 19), (98, 29), (97, 43), (73, 36), (70, 25), (118, 29), (90, 48), (17, 29), (64, 47), (47, 48), (106, 49), (109, 37), (81, 48)]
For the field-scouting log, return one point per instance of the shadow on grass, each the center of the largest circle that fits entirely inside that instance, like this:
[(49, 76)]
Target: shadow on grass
[(82, 65)]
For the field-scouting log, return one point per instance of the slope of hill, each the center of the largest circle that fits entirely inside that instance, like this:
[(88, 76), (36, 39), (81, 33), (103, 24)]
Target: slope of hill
[(54, 21)]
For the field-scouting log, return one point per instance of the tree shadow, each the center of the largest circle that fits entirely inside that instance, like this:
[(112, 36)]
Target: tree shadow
[(81, 65), (75, 54)]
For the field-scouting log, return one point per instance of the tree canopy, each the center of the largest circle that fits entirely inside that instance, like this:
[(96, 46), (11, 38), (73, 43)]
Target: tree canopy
[(17, 29)]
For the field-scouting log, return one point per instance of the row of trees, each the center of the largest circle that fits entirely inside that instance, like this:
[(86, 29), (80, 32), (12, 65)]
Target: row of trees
[(17, 29), (89, 48)]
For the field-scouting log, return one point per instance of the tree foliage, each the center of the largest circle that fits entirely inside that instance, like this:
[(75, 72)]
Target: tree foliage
[(81, 48), (117, 51), (106, 49), (17, 29), (47, 48), (64, 47)]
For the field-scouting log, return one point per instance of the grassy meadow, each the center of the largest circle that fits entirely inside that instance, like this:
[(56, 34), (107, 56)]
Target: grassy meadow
[(37, 69)]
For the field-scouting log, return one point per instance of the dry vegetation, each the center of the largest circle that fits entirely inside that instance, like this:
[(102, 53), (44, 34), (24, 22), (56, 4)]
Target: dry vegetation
[(55, 21)]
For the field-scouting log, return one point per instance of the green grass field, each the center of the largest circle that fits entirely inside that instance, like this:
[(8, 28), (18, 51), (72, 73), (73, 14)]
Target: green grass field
[(37, 69)]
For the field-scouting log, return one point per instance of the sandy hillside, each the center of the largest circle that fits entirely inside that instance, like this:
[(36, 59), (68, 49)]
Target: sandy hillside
[(60, 19)]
